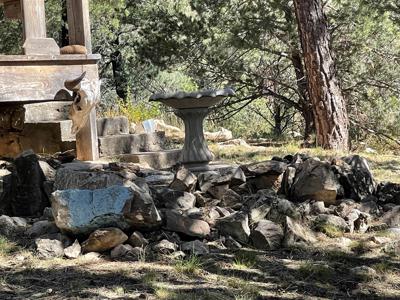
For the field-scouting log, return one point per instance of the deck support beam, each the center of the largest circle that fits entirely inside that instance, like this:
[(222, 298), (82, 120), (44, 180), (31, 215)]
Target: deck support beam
[(79, 34)]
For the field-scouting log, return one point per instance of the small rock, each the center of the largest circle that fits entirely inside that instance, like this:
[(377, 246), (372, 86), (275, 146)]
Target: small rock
[(331, 220), (235, 225), (49, 248), (380, 240), (267, 235), (363, 272), (280, 209), (297, 234), (392, 217), (126, 252), (192, 227), (178, 199), (201, 199), (231, 199), (184, 180), (12, 226), (92, 256), (165, 247), (138, 240), (48, 214), (104, 239), (42, 227), (318, 207), (195, 247), (231, 243), (73, 251)]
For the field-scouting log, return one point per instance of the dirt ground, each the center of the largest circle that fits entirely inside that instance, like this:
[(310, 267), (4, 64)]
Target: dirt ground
[(323, 272)]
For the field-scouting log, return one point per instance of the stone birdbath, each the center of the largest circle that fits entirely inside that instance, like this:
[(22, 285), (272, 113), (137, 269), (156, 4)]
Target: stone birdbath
[(193, 108)]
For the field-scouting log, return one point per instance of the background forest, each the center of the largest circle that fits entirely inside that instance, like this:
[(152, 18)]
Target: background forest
[(253, 46)]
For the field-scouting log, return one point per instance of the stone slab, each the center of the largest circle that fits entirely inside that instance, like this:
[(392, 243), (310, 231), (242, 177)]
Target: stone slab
[(131, 143), (49, 111), (156, 160)]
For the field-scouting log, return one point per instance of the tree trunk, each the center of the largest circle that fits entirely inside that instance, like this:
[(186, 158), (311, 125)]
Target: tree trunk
[(305, 103), (327, 100)]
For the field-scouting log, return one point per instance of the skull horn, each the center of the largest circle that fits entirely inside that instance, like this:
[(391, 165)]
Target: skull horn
[(75, 84)]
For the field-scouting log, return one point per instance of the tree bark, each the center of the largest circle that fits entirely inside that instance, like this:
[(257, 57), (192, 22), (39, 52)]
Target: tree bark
[(328, 104)]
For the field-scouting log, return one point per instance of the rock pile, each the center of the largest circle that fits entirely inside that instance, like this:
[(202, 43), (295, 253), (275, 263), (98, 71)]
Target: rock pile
[(74, 208)]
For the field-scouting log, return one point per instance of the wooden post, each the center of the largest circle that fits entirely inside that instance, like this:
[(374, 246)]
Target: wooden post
[(79, 23), (34, 23), (87, 146), (79, 34)]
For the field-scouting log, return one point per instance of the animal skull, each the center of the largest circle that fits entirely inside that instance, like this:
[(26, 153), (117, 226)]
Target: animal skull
[(86, 95)]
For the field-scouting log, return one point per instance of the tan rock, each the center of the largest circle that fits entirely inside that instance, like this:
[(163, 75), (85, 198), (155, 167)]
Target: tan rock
[(104, 239)]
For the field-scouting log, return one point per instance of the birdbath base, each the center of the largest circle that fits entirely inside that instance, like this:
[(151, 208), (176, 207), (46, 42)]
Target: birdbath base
[(195, 151)]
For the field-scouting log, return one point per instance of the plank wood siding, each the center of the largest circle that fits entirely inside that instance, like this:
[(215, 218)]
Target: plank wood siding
[(39, 78)]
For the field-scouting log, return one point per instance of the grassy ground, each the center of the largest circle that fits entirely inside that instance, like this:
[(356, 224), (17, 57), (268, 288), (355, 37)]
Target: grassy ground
[(318, 273), (385, 166), (322, 272)]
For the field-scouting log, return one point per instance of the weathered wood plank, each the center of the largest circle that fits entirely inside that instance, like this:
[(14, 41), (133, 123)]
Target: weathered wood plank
[(34, 19), (36, 83), (79, 23), (87, 147), (34, 23), (76, 59)]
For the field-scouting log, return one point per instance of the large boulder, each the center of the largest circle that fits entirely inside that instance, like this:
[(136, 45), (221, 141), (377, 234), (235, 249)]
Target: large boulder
[(267, 235), (28, 197), (356, 178), (82, 211), (104, 239), (175, 221), (316, 181)]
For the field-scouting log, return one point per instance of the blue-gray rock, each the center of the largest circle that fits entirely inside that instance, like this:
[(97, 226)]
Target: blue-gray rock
[(82, 211)]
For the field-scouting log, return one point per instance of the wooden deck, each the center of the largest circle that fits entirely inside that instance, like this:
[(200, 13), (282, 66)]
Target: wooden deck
[(39, 78)]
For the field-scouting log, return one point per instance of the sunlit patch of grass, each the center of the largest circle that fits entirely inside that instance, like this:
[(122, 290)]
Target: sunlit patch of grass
[(330, 230), (119, 290), (7, 247), (382, 267), (244, 289), (190, 266), (319, 272), (245, 260), (164, 294), (149, 278), (359, 247)]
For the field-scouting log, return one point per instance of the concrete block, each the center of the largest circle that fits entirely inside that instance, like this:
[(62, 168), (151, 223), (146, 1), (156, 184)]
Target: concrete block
[(131, 143), (112, 126)]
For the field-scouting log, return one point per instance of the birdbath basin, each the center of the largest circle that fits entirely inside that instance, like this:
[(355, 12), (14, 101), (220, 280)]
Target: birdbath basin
[(193, 108)]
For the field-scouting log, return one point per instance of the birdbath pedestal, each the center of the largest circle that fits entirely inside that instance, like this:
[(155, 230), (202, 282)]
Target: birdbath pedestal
[(193, 108)]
